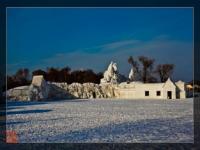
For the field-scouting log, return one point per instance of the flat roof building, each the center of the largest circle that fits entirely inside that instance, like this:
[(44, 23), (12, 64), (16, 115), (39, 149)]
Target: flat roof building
[(139, 90)]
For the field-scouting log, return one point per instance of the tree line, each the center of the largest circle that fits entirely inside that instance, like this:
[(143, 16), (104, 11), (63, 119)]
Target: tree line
[(144, 67), (23, 76)]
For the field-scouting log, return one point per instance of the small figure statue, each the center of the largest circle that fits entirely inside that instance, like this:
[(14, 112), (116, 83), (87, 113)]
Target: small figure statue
[(133, 74)]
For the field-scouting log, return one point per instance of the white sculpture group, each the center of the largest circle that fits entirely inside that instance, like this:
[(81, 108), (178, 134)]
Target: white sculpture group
[(111, 74)]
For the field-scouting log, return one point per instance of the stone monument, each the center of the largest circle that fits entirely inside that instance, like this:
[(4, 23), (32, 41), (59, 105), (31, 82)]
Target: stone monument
[(39, 88)]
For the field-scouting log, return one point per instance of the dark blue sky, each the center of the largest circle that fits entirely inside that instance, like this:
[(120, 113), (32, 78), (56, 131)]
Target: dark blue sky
[(92, 37)]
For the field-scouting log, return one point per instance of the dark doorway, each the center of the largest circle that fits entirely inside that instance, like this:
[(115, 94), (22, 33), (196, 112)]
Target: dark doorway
[(177, 94), (169, 94), (93, 94)]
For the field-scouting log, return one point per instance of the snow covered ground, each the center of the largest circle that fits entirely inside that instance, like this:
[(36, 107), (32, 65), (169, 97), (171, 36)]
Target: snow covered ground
[(102, 121)]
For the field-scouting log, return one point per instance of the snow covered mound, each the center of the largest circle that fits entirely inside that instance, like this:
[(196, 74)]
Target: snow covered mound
[(18, 93)]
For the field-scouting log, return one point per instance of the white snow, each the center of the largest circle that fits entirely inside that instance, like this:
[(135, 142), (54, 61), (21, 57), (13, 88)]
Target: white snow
[(165, 121)]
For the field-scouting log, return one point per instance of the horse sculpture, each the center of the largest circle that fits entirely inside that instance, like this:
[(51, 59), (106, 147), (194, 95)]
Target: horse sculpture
[(111, 74)]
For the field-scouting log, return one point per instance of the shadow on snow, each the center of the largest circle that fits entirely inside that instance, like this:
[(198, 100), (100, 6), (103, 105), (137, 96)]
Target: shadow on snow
[(28, 111), (149, 130)]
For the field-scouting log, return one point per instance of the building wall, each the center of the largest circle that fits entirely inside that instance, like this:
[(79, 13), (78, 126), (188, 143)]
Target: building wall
[(127, 93), (181, 89), (137, 90), (182, 94), (169, 88), (151, 89)]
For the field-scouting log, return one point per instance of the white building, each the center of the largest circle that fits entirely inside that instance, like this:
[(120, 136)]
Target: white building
[(139, 90)]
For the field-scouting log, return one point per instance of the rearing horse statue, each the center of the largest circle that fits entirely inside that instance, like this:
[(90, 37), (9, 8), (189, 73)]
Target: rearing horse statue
[(110, 75)]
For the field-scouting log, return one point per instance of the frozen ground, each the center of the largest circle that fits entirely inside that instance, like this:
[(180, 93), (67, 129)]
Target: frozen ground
[(102, 121)]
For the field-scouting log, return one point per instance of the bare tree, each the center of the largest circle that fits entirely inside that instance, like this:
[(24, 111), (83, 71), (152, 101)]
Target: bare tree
[(65, 74), (26, 73), (22, 74), (133, 63), (147, 67), (53, 74), (164, 71), (20, 78)]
